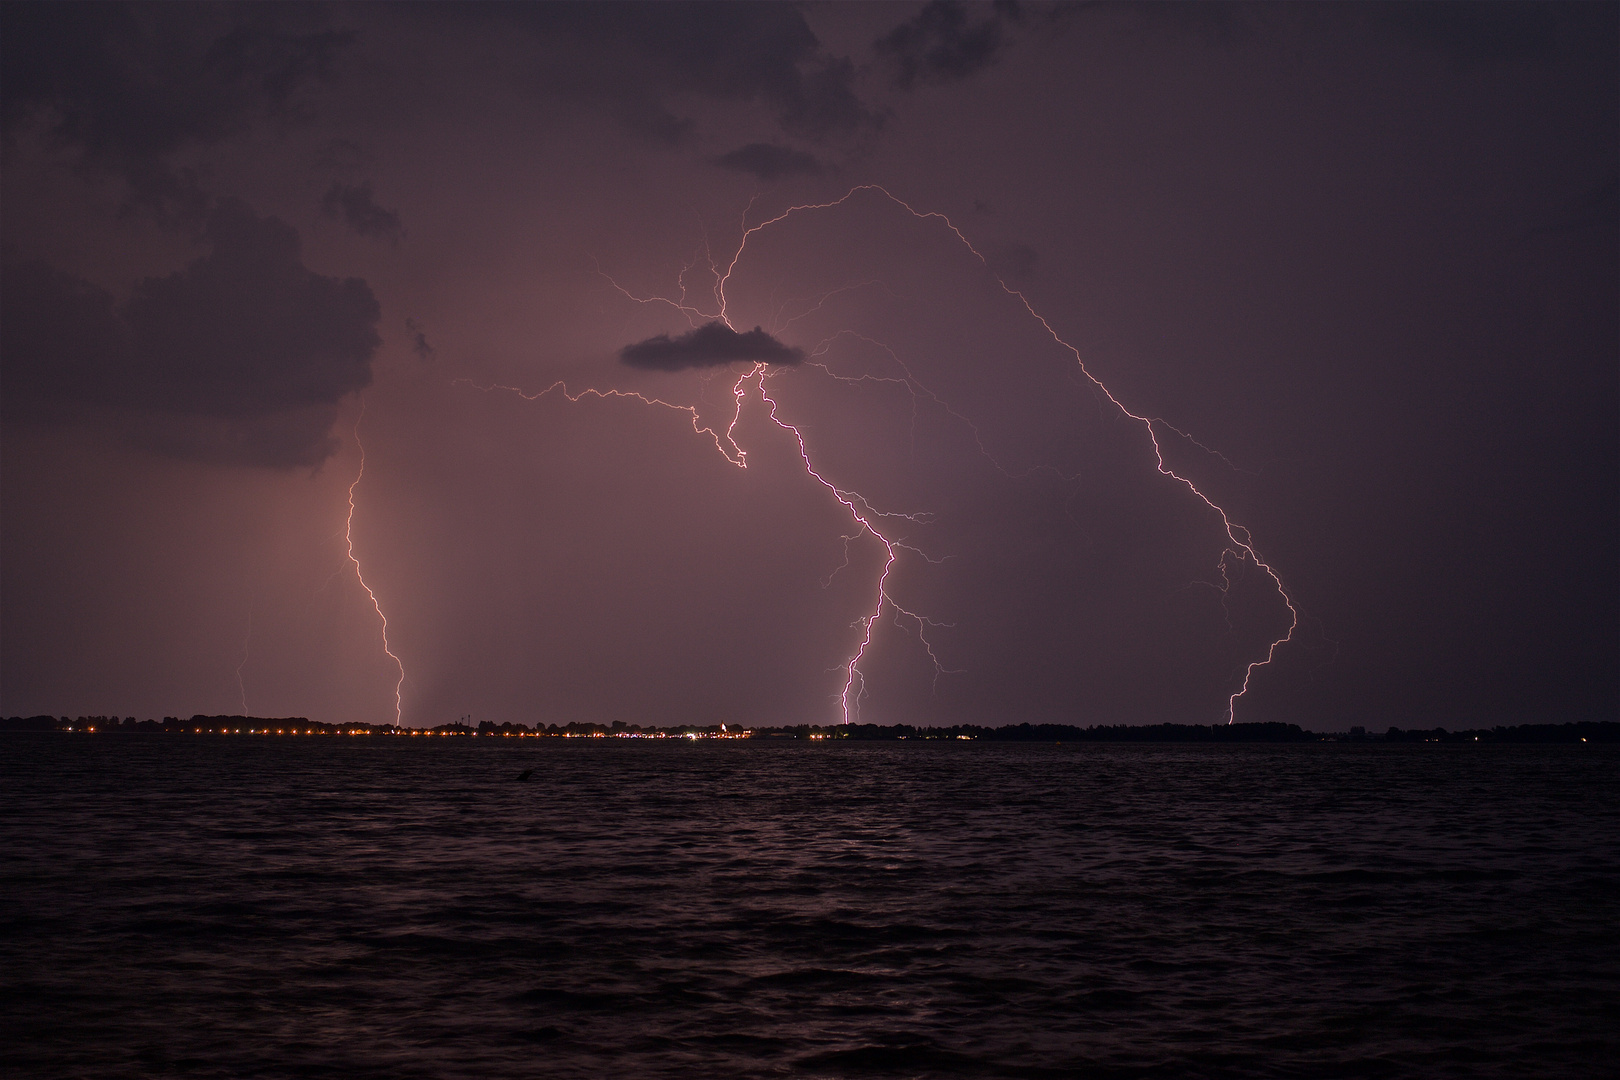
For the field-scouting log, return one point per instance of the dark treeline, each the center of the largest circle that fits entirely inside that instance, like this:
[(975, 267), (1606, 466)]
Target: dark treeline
[(1586, 731)]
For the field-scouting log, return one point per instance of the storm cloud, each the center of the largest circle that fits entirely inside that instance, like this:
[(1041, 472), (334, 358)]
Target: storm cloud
[(245, 349), (710, 345)]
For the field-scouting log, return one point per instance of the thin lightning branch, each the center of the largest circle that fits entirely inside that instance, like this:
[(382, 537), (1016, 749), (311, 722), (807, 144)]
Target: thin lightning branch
[(708, 257), (749, 231), (693, 314), (780, 326), (826, 582), (928, 646), (925, 557), (1228, 462), (736, 454), (348, 539), (327, 584), (914, 386)]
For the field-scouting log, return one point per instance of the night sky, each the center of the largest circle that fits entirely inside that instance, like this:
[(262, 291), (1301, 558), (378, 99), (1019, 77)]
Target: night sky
[(1355, 267)]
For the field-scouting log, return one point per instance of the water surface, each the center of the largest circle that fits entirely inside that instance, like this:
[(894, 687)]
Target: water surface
[(208, 906)]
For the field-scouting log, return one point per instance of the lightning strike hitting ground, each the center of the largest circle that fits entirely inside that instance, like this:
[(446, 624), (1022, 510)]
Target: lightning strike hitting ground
[(1242, 547), (860, 510), (1239, 540), (348, 539), (890, 546)]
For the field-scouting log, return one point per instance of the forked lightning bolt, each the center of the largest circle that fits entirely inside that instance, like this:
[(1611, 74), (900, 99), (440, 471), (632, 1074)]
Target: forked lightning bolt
[(859, 509), (867, 519)]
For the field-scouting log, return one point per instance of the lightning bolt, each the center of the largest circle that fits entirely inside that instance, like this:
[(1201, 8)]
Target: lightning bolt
[(1240, 546), (867, 519), (860, 510), (862, 513), (359, 575)]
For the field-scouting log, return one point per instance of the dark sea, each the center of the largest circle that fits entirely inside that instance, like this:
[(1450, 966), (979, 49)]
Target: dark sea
[(208, 906)]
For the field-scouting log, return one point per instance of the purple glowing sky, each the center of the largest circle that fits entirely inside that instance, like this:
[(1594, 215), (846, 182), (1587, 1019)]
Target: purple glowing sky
[(1357, 263)]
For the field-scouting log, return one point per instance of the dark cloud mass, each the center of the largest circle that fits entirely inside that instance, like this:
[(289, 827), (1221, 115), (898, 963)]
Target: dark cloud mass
[(941, 44), (356, 205), (769, 162), (710, 345), (128, 85), (239, 337), (249, 329), (644, 54)]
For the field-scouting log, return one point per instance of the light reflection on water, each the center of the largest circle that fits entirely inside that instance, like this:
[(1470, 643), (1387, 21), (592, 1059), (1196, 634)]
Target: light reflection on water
[(215, 907)]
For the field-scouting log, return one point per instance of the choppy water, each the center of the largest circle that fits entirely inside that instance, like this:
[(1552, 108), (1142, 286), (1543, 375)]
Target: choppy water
[(238, 907)]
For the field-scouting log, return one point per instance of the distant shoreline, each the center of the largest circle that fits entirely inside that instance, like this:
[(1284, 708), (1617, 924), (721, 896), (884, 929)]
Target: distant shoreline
[(286, 727)]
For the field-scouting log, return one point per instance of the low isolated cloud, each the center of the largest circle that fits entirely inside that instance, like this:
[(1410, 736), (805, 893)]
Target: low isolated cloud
[(241, 356), (710, 345), (356, 206), (769, 162)]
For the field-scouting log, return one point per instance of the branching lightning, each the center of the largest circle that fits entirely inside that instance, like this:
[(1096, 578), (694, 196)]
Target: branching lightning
[(861, 511), (866, 518), (724, 443)]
